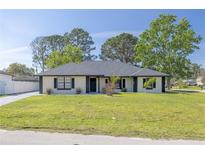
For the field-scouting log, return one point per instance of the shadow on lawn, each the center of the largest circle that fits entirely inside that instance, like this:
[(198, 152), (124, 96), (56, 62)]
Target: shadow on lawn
[(181, 92), (116, 95)]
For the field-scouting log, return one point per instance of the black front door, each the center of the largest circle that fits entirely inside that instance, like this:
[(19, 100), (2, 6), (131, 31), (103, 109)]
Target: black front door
[(92, 84)]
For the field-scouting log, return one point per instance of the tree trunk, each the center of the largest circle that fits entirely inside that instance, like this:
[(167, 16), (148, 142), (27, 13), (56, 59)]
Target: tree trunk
[(169, 83), (43, 65)]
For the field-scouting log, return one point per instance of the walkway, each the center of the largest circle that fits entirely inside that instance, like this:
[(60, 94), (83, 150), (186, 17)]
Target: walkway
[(13, 98)]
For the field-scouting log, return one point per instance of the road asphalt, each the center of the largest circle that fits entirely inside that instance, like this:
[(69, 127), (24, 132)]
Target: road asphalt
[(21, 137)]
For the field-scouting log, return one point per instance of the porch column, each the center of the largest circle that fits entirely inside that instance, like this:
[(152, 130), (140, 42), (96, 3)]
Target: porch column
[(40, 84), (98, 84), (87, 84), (163, 84), (134, 84)]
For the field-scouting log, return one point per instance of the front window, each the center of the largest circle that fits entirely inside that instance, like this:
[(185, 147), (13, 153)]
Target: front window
[(149, 83), (64, 83), (67, 83), (60, 82), (118, 84)]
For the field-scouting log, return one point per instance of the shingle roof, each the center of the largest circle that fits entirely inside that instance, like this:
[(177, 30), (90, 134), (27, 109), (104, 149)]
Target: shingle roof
[(101, 68), (25, 78)]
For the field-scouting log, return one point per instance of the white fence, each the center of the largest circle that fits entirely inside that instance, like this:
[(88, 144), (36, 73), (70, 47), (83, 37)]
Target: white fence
[(13, 87)]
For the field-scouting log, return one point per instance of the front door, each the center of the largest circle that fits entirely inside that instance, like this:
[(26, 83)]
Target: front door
[(92, 84)]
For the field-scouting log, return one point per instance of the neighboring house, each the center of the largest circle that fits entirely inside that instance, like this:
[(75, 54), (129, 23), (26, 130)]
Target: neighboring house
[(14, 85), (4, 78), (92, 76), (190, 82), (200, 81)]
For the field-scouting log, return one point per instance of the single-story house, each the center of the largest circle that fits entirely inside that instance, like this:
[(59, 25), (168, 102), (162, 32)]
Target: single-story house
[(92, 76)]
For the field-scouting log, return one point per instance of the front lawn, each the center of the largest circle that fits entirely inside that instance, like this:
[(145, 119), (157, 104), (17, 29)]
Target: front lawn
[(170, 115)]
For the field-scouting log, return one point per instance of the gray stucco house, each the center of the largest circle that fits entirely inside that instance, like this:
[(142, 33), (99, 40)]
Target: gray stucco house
[(92, 76)]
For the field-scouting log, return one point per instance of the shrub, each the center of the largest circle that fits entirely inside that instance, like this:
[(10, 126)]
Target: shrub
[(202, 87), (181, 84), (104, 90), (123, 90), (109, 89), (78, 91), (48, 91)]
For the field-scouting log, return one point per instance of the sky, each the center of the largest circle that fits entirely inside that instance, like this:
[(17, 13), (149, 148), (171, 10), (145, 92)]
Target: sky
[(19, 27)]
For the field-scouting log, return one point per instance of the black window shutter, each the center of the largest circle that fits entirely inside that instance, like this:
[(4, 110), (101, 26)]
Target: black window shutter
[(73, 83), (106, 80), (55, 83), (120, 84), (163, 84), (154, 84), (144, 80), (123, 83)]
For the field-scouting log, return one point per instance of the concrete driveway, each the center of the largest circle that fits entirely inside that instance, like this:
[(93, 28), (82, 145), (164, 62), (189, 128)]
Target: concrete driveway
[(45, 138), (13, 98)]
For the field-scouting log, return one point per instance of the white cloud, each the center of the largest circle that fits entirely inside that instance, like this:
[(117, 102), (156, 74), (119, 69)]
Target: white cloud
[(14, 50), (107, 34), (21, 55)]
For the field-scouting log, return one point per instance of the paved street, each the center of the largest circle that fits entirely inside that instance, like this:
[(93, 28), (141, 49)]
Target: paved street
[(13, 98), (32, 137)]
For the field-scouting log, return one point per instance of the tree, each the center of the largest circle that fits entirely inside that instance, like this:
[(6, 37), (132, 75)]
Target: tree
[(120, 47), (55, 42), (17, 69), (110, 86), (43, 46), (166, 45), (70, 54), (40, 52), (54, 59), (82, 39), (195, 70)]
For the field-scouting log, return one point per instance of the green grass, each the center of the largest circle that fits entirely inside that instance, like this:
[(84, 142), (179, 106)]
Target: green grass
[(189, 88), (170, 115)]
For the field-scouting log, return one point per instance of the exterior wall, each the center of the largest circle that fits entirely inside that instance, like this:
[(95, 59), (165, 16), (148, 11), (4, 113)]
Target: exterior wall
[(158, 88), (128, 84), (102, 84), (80, 82), (13, 87), (8, 86), (48, 83)]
